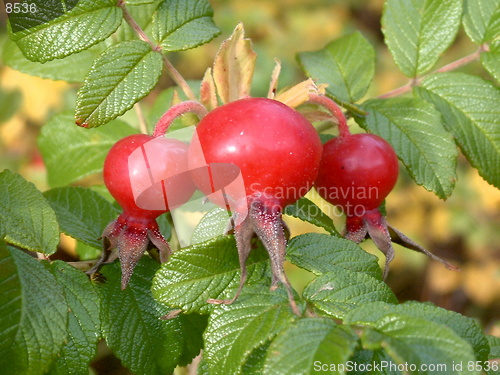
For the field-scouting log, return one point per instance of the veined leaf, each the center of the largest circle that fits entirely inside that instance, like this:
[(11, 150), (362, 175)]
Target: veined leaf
[(36, 308), (494, 355), (482, 20), (183, 24), (469, 106), (347, 65), (72, 68), (53, 32), (308, 211), (26, 217), (467, 328), (158, 345), (235, 330), (419, 342), (339, 291), (491, 60), (120, 77), (417, 32), (298, 348), (84, 326), (82, 213), (206, 270), (71, 153), (415, 130), (322, 253)]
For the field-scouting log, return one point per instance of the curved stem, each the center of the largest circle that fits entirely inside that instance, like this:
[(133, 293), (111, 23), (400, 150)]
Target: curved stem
[(334, 109), (174, 73), (447, 68), (177, 110)]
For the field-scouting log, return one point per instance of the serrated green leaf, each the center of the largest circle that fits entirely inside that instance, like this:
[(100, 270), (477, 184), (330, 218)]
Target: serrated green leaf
[(206, 270), (84, 326), (142, 15), (213, 224), (340, 291), (347, 65), (494, 356), (482, 20), (419, 342), (369, 359), (71, 153), (322, 253), (415, 129), (52, 33), (491, 60), (179, 25), (300, 347), (82, 213), (120, 77), (157, 345), (37, 301), (235, 330), (254, 364), (469, 106), (417, 32), (306, 210), (27, 218), (10, 102), (467, 328), (71, 69)]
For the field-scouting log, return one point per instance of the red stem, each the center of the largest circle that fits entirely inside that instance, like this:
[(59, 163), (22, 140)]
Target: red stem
[(334, 109), (177, 110)]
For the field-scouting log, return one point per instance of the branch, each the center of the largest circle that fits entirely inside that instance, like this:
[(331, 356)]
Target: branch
[(174, 74), (447, 68)]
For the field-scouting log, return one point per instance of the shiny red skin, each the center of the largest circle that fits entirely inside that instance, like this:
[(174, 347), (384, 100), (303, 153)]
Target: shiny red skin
[(169, 158), (357, 172), (277, 150)]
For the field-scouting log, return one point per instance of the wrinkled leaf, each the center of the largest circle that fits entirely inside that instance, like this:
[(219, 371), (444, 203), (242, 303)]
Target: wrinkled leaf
[(417, 32), (26, 216), (469, 106), (491, 60), (482, 20), (120, 77), (415, 130), (306, 210)]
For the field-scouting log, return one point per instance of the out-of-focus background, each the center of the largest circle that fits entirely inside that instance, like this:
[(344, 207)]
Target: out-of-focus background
[(465, 229)]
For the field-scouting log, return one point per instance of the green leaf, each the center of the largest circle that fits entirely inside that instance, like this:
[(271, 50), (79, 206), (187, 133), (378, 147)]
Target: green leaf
[(213, 224), (494, 356), (306, 210), (71, 69), (52, 33), (27, 218), (322, 253), (340, 291), (482, 20), (347, 65), (120, 77), (157, 345), (71, 153), (254, 364), (491, 60), (467, 328), (37, 310), (10, 101), (179, 25), (415, 129), (235, 330), (419, 342), (206, 270), (82, 213), (417, 32), (84, 324), (469, 106), (301, 346)]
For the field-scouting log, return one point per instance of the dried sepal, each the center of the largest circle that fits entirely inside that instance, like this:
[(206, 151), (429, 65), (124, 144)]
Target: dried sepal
[(273, 85), (300, 93), (208, 93), (234, 66)]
